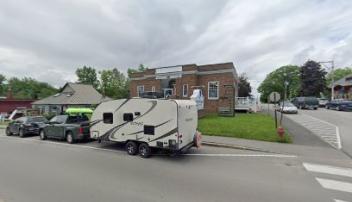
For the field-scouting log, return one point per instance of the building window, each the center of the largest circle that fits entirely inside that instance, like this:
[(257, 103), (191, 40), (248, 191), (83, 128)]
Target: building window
[(108, 118), (213, 90), (140, 90), (153, 88), (185, 90)]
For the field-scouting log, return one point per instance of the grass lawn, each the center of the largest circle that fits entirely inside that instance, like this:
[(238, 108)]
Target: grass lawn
[(254, 126), (3, 124)]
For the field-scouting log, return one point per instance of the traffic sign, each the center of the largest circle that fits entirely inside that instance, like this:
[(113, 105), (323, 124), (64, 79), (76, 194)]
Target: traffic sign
[(274, 97)]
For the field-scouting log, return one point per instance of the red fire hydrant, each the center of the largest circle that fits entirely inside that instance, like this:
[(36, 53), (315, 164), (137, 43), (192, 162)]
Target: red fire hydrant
[(280, 131)]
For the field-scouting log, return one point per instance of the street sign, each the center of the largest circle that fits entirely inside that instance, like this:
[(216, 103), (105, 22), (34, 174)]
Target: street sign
[(274, 97)]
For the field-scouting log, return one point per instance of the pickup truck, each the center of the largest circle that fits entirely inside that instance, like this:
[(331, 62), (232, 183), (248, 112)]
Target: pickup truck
[(67, 127)]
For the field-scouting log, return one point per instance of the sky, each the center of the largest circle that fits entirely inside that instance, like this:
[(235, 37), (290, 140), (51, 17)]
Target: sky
[(49, 40)]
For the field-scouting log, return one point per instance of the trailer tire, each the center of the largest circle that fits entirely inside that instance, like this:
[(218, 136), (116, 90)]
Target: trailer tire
[(131, 148), (144, 150)]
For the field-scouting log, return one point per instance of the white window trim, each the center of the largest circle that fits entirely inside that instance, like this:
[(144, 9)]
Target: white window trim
[(138, 90), (218, 90), (153, 88), (183, 90)]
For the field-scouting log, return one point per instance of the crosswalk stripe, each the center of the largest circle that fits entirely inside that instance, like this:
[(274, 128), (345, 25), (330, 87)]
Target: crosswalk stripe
[(335, 185), (328, 169)]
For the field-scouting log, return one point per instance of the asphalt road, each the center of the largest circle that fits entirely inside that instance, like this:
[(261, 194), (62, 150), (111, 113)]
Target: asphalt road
[(33, 171), (343, 120)]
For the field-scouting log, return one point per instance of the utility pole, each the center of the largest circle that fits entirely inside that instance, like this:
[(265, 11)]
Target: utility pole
[(332, 77)]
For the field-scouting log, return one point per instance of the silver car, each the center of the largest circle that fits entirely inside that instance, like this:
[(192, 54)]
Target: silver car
[(287, 107)]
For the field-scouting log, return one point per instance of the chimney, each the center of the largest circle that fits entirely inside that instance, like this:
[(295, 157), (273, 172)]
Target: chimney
[(9, 94)]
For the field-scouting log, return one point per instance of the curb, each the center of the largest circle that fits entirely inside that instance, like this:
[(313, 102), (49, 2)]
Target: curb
[(230, 146)]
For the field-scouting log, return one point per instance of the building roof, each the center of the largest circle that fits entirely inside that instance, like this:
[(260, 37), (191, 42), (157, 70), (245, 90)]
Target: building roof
[(345, 81), (74, 94)]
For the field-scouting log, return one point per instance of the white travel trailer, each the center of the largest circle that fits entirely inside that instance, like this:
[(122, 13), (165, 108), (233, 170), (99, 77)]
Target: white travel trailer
[(145, 123)]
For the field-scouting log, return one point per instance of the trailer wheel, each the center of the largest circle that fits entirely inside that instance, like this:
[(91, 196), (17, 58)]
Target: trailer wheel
[(144, 150), (131, 148)]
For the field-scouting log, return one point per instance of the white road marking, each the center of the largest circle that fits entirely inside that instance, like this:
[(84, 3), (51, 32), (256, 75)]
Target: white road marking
[(347, 172), (335, 185), (337, 200), (328, 132), (245, 155), (112, 150), (337, 131)]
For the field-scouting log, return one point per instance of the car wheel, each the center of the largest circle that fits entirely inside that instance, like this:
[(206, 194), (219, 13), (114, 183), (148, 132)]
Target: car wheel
[(144, 150), (131, 148), (8, 132), (69, 138), (300, 107), (326, 107), (42, 135), (21, 132), (338, 108)]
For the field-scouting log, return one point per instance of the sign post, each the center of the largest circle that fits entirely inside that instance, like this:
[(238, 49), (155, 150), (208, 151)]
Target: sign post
[(274, 97)]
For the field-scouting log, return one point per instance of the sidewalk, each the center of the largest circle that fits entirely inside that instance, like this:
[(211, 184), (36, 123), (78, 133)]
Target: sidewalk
[(316, 153)]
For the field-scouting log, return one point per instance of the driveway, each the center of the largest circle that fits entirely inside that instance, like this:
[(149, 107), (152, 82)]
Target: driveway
[(343, 120)]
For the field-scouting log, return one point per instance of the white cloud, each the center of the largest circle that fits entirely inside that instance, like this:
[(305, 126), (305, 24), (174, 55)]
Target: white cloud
[(48, 40)]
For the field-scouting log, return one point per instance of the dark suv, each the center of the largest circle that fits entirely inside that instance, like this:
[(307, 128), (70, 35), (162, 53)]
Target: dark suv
[(26, 125), (305, 102)]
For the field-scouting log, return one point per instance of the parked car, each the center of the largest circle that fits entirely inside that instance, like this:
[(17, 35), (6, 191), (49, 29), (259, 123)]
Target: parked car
[(306, 102), (26, 125), (340, 105), (66, 127), (322, 102), (287, 107)]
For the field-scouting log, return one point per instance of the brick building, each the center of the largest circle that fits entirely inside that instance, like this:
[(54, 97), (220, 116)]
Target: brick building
[(218, 83)]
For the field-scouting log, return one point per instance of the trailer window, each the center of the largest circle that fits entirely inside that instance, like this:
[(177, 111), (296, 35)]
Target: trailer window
[(137, 113), (149, 130), (108, 118), (128, 117)]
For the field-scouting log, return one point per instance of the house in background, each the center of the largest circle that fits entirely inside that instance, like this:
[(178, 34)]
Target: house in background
[(343, 88), (71, 95), (217, 82)]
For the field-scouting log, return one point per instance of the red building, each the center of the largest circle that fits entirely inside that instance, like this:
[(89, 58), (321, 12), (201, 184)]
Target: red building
[(8, 105)]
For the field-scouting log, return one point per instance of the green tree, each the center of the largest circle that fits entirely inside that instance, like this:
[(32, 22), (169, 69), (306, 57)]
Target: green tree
[(140, 68), (29, 88), (313, 81), (88, 75), (338, 74), (113, 84), (2, 85), (244, 87), (275, 81)]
